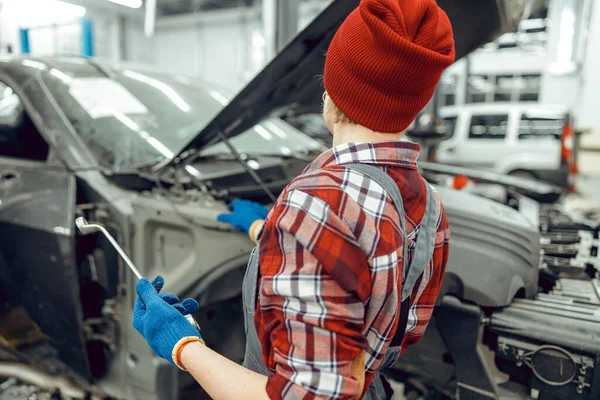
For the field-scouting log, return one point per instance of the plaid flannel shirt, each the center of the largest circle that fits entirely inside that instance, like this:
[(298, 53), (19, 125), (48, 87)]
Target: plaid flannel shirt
[(330, 266)]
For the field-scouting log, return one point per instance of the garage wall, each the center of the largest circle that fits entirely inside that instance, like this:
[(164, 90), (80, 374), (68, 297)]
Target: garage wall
[(589, 102), (572, 80), (559, 86), (65, 38), (138, 48), (9, 33), (225, 47)]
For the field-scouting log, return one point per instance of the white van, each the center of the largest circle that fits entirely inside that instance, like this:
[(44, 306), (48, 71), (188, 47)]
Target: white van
[(521, 139)]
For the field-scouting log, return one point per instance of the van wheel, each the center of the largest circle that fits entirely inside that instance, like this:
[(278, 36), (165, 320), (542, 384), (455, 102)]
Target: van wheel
[(520, 173)]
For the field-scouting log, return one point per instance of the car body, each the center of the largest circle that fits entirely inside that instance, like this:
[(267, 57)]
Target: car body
[(520, 139), (65, 152), (158, 186)]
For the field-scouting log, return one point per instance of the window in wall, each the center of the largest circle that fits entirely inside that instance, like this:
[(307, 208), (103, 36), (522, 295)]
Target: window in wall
[(533, 34), (505, 86), (488, 127), (532, 127), (448, 88), (530, 87), (478, 86), (507, 41)]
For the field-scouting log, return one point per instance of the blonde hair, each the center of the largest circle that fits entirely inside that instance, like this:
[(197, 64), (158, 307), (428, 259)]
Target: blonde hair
[(330, 110)]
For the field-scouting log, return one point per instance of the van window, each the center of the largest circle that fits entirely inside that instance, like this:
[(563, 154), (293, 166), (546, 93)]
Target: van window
[(488, 126), (540, 128), (449, 126)]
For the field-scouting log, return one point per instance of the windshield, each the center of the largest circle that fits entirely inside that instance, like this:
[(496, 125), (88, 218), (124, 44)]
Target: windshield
[(137, 119)]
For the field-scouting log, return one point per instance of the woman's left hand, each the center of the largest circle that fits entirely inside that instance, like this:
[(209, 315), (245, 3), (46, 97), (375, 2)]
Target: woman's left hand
[(160, 318), (243, 214)]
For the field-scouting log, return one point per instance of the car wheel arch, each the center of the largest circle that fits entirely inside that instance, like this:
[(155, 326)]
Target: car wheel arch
[(522, 173)]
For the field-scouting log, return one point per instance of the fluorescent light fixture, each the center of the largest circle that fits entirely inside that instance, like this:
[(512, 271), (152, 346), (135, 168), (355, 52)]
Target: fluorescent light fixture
[(163, 87), (34, 13), (128, 3), (565, 52), (150, 18)]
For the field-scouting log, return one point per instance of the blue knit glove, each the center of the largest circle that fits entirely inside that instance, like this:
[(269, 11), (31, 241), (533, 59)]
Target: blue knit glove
[(244, 214), (160, 318)]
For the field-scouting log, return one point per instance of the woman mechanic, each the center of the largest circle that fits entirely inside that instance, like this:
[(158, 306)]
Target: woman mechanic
[(351, 258)]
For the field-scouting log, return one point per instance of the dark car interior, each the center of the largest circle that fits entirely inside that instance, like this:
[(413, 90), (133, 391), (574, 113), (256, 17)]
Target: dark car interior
[(23, 141), (19, 138)]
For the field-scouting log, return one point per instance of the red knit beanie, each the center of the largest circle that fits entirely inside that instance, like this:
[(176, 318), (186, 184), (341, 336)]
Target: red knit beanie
[(386, 59)]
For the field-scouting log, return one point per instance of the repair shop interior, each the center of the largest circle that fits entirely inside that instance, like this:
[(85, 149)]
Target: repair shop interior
[(170, 138)]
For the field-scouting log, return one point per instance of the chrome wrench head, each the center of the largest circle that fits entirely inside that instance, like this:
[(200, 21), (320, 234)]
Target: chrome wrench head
[(84, 227)]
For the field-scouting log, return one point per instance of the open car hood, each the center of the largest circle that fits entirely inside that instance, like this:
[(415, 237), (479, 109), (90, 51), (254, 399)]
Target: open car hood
[(289, 84)]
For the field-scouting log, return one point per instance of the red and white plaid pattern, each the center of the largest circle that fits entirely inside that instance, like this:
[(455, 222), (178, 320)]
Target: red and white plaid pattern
[(330, 266)]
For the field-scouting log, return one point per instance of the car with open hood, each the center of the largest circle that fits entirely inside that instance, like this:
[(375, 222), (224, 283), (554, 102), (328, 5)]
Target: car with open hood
[(156, 158)]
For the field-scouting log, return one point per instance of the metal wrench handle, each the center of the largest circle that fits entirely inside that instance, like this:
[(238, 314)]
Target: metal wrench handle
[(87, 228)]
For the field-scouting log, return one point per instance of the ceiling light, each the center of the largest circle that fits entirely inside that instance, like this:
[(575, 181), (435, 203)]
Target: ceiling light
[(128, 3), (46, 12)]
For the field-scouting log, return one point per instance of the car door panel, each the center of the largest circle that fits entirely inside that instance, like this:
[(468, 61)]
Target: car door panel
[(37, 242)]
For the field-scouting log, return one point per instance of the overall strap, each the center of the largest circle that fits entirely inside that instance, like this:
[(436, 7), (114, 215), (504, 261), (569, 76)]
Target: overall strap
[(424, 245)]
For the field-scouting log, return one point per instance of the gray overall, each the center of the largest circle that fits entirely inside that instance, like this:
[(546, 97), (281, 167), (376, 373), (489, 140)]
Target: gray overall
[(423, 251)]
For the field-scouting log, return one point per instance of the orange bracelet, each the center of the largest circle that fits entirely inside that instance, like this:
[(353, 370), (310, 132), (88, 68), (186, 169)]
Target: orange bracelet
[(176, 353)]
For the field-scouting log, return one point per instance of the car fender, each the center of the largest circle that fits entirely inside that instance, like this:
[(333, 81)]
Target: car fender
[(185, 243)]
